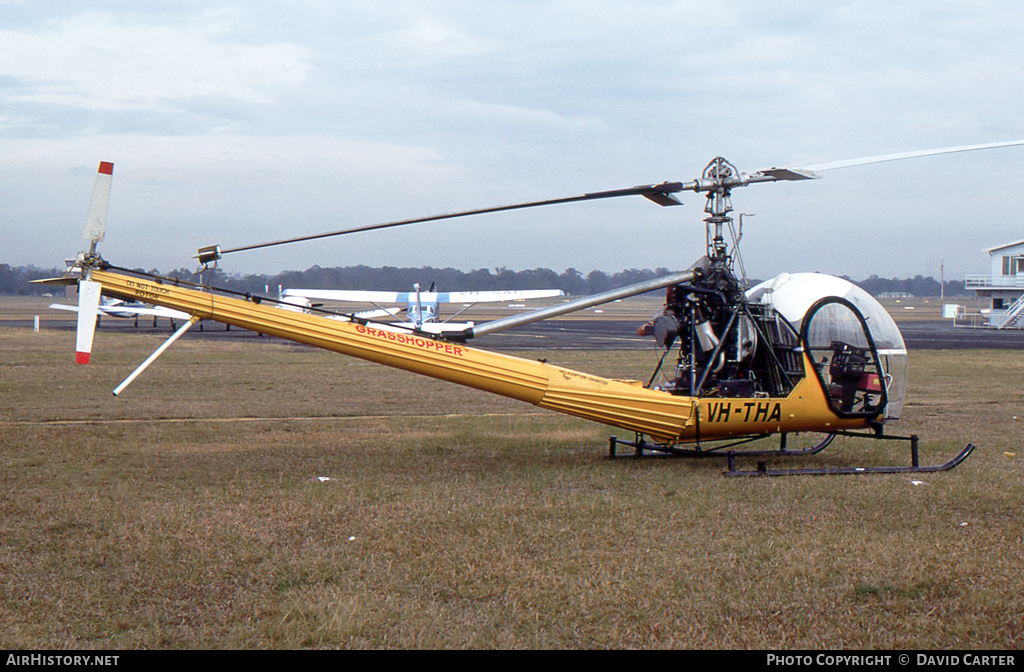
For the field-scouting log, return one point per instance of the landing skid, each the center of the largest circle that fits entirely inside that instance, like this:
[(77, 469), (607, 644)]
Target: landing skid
[(728, 451)]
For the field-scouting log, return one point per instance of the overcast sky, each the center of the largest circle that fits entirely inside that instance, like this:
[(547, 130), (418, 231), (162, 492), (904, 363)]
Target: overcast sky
[(241, 122)]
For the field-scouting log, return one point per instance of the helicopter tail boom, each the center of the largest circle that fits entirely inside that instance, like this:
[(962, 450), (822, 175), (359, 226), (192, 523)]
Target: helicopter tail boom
[(623, 404)]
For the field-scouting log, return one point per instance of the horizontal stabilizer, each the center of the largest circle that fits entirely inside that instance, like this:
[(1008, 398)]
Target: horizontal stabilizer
[(448, 328), (67, 281), (130, 311), (123, 310)]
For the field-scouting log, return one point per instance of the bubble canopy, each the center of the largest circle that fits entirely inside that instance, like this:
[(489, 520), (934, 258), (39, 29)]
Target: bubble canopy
[(793, 294)]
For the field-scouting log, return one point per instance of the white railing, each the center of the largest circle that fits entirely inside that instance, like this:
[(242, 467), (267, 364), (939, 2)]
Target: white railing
[(994, 281)]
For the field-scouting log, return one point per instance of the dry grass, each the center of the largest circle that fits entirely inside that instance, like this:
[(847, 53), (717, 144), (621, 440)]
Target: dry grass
[(187, 513), (920, 309)]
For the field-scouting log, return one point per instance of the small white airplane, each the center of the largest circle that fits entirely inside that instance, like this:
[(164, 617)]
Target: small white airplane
[(125, 310), (421, 308)]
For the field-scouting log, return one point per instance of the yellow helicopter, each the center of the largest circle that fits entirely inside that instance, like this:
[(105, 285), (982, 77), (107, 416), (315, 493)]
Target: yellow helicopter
[(801, 353)]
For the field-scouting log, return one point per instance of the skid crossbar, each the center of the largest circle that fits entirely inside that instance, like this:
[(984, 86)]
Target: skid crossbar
[(644, 447)]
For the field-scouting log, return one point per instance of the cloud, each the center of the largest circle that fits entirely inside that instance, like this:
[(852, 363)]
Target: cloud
[(429, 37), (104, 62), (255, 118)]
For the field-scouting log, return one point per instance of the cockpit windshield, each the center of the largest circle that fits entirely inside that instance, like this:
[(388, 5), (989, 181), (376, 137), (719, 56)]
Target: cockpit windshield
[(835, 336), (793, 294)]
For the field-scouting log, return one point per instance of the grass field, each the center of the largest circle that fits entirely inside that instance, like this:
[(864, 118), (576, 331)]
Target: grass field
[(248, 494)]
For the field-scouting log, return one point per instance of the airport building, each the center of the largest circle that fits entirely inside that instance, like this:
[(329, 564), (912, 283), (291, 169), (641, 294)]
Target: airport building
[(1002, 290)]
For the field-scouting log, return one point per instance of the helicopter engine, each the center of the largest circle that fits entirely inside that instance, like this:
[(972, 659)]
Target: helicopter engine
[(727, 347)]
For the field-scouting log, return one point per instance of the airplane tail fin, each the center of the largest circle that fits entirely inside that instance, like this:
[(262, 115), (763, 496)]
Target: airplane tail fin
[(88, 309)]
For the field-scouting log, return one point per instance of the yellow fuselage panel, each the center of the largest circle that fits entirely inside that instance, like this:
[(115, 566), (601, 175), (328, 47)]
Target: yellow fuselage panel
[(663, 416), (805, 410)]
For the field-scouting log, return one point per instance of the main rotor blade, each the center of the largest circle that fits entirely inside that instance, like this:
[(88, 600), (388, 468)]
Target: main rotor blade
[(810, 171), (578, 304), (659, 193), (662, 194), (818, 167)]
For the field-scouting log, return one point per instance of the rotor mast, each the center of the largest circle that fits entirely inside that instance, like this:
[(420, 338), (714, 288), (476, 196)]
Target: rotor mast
[(718, 175)]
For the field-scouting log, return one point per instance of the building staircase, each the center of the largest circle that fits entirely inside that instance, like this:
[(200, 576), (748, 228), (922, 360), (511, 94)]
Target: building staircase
[(1013, 314)]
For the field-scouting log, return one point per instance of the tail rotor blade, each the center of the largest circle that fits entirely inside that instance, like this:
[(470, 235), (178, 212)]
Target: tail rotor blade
[(88, 309), (96, 220)]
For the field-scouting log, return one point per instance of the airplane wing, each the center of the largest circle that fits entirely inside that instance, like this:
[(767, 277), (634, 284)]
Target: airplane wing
[(501, 295), (367, 296), (301, 304), (383, 312), (367, 314), (355, 295)]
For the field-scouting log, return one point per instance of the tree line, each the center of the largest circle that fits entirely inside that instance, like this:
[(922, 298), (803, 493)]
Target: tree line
[(917, 286), (17, 280)]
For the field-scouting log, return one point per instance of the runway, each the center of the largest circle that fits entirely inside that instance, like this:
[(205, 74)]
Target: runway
[(621, 335), (611, 334), (944, 336)]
